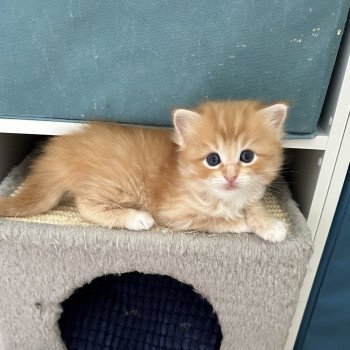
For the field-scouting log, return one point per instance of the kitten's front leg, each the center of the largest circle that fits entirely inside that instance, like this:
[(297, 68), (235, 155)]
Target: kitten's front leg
[(265, 225), (114, 216)]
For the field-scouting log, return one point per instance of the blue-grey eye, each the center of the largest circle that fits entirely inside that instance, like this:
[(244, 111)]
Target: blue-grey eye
[(246, 156), (213, 159)]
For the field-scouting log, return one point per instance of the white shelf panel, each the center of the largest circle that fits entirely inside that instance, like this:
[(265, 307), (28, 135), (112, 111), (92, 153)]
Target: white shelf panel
[(318, 143), (39, 127)]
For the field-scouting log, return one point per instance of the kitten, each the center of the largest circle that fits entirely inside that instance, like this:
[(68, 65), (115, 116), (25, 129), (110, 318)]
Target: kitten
[(208, 174)]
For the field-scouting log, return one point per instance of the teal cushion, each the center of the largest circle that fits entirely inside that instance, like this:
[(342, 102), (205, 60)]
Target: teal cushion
[(134, 60)]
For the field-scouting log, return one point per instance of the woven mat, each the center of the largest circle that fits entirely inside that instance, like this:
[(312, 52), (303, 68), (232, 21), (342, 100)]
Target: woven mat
[(66, 213)]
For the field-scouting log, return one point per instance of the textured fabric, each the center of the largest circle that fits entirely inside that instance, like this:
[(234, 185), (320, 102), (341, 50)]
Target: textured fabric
[(134, 60), (252, 285), (141, 312), (326, 320)]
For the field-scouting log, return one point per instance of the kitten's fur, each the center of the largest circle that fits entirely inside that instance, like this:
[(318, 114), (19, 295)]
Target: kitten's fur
[(134, 177)]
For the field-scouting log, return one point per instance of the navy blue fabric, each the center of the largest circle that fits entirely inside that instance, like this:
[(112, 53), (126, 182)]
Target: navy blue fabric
[(134, 60), (326, 322), (138, 311)]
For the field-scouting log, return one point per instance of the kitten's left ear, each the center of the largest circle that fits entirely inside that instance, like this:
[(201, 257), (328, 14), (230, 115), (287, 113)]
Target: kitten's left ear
[(276, 115), (183, 120)]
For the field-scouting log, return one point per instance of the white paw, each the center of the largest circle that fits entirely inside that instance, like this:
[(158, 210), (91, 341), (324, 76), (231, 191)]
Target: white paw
[(140, 220), (276, 233)]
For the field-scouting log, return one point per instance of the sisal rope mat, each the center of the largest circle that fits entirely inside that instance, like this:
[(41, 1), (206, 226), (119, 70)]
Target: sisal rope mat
[(66, 213)]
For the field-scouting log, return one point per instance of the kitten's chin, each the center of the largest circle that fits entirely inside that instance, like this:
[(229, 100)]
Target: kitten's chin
[(237, 193), (226, 192)]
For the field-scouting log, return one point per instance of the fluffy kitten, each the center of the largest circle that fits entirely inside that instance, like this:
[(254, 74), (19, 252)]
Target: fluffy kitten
[(208, 174)]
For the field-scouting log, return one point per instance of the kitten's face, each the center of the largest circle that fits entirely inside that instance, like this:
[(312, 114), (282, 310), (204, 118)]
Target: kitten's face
[(230, 149)]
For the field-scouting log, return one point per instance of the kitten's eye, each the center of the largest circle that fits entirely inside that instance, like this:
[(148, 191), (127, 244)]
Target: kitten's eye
[(213, 159), (246, 156)]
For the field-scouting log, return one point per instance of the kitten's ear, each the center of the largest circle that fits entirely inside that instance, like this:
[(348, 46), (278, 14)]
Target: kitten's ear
[(276, 115), (183, 120)]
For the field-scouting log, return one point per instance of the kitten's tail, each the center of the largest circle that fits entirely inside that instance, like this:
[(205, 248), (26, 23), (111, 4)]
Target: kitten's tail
[(39, 193)]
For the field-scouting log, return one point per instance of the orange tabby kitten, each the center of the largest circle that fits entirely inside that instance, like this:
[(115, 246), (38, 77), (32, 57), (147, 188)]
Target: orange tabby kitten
[(209, 174)]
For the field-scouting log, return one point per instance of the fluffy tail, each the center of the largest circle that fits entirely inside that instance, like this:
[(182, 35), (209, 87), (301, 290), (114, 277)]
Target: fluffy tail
[(40, 192)]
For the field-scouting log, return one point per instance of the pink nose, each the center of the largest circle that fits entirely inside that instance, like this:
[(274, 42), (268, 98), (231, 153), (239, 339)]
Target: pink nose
[(230, 179)]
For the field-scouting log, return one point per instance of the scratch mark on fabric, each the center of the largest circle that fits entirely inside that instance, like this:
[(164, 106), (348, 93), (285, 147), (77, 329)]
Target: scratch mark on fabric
[(315, 31), (52, 70), (95, 55), (94, 51), (53, 75), (70, 11)]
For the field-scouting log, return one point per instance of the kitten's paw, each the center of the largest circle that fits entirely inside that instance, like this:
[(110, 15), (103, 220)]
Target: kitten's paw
[(276, 233), (140, 220)]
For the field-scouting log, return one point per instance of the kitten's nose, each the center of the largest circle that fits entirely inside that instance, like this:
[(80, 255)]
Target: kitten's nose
[(230, 179)]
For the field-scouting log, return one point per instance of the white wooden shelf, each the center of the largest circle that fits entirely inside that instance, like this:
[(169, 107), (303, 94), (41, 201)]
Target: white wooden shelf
[(39, 127), (317, 143)]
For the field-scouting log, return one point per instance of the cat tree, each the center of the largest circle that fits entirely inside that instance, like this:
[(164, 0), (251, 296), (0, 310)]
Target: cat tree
[(251, 284)]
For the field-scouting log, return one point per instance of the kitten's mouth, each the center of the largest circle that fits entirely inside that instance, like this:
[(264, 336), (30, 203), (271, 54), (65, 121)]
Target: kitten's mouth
[(230, 186)]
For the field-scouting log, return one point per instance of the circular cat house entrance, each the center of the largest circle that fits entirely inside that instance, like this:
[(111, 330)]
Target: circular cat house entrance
[(138, 311)]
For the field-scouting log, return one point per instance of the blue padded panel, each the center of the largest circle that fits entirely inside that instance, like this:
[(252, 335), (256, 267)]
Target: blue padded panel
[(141, 312), (134, 60), (326, 322)]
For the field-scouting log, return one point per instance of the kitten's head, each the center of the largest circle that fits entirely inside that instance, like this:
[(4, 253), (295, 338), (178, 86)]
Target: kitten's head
[(230, 149)]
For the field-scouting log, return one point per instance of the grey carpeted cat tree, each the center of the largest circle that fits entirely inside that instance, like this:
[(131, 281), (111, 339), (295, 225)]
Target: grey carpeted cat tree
[(252, 285)]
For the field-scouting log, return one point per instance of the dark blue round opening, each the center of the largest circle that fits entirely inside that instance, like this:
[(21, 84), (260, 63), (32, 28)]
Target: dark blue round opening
[(138, 311)]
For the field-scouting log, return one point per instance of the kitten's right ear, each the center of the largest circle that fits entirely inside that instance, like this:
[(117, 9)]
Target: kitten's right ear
[(183, 120), (276, 116)]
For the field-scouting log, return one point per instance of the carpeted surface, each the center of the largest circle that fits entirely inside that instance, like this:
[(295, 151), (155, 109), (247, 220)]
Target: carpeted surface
[(252, 285)]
